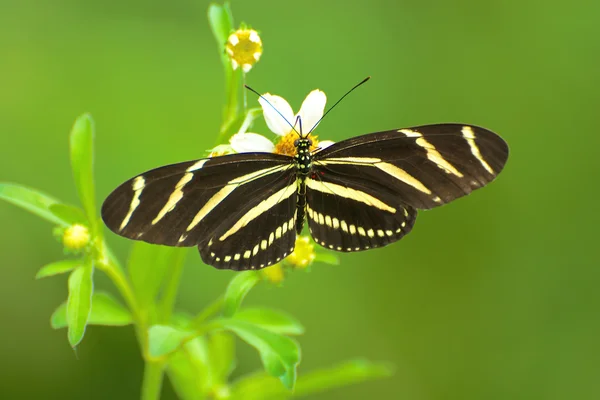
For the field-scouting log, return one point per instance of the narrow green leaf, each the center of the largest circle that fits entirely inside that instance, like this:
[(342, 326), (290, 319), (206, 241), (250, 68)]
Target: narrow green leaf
[(31, 200), (237, 289), (187, 370), (70, 214), (220, 20), (147, 266), (272, 320), (58, 267), (82, 160), (327, 258), (79, 302), (341, 375), (164, 339), (106, 310), (280, 355), (260, 386)]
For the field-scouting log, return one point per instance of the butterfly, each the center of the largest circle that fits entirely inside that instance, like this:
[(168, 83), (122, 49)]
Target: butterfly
[(244, 211)]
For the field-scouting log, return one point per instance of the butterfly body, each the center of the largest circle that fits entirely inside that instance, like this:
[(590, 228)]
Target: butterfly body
[(303, 161), (243, 211)]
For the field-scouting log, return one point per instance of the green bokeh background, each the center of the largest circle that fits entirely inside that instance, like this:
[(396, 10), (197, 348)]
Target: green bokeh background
[(492, 297)]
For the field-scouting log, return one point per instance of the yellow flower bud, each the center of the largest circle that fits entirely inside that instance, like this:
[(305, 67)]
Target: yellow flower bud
[(274, 273), (76, 237), (303, 254), (244, 47)]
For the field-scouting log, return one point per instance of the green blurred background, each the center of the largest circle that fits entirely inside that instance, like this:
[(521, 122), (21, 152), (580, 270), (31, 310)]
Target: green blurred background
[(492, 297)]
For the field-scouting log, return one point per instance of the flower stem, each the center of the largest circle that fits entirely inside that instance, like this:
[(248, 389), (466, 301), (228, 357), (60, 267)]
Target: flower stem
[(153, 377), (209, 311), (232, 107)]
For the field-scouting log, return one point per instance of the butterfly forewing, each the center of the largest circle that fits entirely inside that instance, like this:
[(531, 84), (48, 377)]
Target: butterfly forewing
[(426, 166), (189, 203)]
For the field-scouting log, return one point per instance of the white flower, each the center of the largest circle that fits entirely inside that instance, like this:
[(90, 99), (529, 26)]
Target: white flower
[(251, 142), (280, 117)]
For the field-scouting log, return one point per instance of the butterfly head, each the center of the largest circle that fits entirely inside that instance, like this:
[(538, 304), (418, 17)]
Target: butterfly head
[(302, 144)]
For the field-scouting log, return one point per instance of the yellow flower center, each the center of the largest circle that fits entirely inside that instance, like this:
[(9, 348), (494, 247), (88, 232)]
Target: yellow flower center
[(244, 47), (76, 237), (303, 254), (285, 145)]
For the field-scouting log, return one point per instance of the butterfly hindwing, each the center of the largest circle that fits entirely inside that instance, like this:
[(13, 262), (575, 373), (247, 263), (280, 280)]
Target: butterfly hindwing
[(349, 214), (427, 165), (257, 234)]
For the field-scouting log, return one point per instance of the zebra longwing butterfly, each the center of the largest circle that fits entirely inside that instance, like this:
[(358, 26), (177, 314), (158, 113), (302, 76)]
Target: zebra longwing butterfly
[(243, 211)]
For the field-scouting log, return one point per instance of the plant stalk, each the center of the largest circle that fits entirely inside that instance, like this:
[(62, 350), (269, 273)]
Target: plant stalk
[(153, 378)]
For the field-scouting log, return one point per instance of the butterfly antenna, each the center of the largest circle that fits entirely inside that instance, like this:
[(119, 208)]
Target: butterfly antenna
[(299, 122), (337, 102), (272, 106)]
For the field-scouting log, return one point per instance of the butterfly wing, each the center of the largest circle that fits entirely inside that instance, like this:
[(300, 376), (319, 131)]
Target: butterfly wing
[(377, 181), (427, 166), (223, 205), (352, 215)]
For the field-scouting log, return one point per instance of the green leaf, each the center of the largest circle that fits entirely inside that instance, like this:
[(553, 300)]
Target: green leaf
[(70, 214), (237, 289), (58, 267), (79, 302), (272, 320), (327, 258), (280, 355), (164, 339), (341, 375), (263, 387), (147, 266), (221, 360), (187, 370), (260, 386), (220, 20), (31, 200), (82, 160), (106, 310)]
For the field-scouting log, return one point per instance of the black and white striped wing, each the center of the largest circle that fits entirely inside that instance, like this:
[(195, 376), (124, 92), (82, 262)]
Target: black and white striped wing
[(427, 166), (378, 180), (238, 209), (352, 215)]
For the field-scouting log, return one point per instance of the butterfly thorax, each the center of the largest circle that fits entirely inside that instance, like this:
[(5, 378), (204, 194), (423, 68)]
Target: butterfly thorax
[(303, 157), (303, 160)]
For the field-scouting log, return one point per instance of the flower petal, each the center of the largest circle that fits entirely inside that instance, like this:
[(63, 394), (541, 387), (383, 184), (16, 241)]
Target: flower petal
[(276, 123), (312, 109), (325, 143), (251, 142)]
